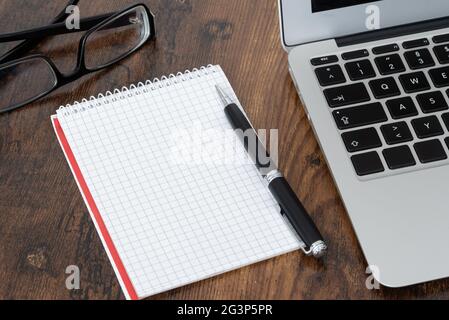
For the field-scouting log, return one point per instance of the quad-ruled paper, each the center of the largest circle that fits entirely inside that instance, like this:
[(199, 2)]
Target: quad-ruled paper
[(173, 222)]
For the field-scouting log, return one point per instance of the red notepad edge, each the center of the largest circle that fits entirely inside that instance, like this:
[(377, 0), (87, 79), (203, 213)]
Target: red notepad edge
[(127, 285)]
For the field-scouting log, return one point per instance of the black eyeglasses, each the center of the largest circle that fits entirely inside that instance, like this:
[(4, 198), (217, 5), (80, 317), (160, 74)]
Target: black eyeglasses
[(110, 38)]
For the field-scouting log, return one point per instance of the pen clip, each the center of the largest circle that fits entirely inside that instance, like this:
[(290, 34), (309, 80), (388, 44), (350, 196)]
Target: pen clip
[(302, 244)]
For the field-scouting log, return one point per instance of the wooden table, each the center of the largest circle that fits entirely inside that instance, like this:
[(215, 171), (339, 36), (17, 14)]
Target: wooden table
[(44, 224)]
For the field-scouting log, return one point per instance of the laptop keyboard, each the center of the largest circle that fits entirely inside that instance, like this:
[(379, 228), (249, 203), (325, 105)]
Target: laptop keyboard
[(390, 104)]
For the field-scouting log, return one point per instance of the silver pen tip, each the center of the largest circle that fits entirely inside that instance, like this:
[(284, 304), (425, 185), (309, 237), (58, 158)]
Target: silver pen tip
[(223, 96)]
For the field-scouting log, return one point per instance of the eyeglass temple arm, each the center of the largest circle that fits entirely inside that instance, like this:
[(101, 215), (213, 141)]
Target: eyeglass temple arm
[(27, 45), (61, 28)]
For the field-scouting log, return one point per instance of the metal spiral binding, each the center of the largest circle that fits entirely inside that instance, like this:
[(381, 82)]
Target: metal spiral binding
[(134, 90)]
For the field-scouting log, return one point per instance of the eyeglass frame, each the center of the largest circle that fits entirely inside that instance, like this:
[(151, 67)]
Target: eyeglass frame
[(81, 69)]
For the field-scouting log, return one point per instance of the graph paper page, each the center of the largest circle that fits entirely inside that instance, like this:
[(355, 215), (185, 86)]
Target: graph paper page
[(174, 218)]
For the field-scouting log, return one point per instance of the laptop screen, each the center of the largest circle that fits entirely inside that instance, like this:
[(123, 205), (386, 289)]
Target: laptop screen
[(323, 5)]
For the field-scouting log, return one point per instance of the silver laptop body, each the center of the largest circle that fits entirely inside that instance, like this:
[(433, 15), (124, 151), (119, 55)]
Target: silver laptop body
[(378, 103)]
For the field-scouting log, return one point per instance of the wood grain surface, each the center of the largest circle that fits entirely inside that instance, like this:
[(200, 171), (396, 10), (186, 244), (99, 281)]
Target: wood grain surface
[(44, 224)]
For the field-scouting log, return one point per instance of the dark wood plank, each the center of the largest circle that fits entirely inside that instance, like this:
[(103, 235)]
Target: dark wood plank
[(44, 224)]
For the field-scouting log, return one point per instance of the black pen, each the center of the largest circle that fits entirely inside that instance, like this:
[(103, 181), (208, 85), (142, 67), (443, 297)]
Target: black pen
[(291, 207)]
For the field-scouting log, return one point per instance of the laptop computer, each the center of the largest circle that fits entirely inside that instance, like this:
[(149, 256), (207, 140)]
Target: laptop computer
[(373, 77)]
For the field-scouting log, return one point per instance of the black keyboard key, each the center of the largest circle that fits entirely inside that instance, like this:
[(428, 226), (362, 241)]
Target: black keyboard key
[(447, 142), (395, 133), (355, 54), (386, 49), (416, 43), (330, 75), (446, 120), (324, 60), (399, 157), (440, 77), (402, 108), (367, 163), (442, 53), (360, 116), (418, 59), (427, 127), (359, 70), (414, 82), (384, 88), (441, 38), (361, 140), (346, 95), (390, 64), (432, 102), (430, 151)]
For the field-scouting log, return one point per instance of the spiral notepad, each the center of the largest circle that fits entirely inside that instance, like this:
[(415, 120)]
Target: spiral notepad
[(166, 221)]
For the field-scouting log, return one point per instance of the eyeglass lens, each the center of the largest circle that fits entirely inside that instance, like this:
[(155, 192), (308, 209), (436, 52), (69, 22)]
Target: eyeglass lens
[(24, 81), (118, 38)]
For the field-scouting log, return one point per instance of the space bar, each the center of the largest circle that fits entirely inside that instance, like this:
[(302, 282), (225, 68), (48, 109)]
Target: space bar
[(346, 95)]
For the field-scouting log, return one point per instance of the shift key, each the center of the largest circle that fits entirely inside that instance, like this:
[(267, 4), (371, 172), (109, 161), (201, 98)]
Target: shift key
[(360, 116), (346, 95)]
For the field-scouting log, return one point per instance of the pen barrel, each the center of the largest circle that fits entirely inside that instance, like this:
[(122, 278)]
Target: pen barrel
[(294, 211)]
